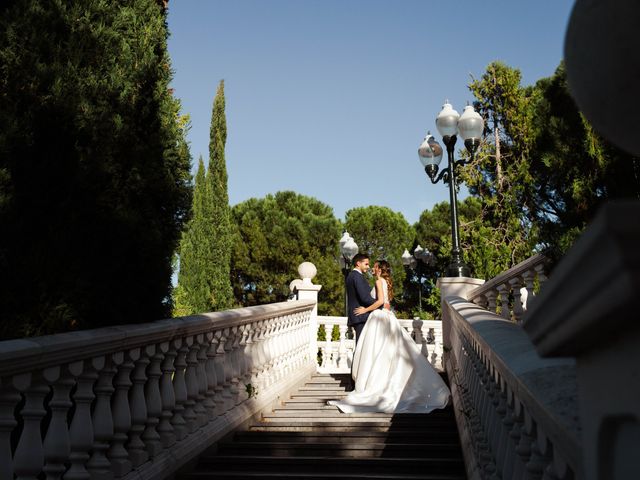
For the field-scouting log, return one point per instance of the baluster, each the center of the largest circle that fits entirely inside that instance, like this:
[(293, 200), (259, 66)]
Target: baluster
[(492, 404), (274, 334), (242, 363), (557, 468), (536, 464), (524, 446), (165, 428), (191, 381), (326, 350), (117, 454), (150, 436), (253, 356), (232, 343), (491, 300), (342, 348), (301, 346), (284, 347), (29, 456), (515, 436), (99, 466), (518, 309), (245, 360), (274, 341), (57, 447), (481, 301), (266, 369), (196, 357), (506, 447), (542, 278), (224, 350), (137, 451), (219, 364), (503, 290), (81, 430), (260, 356), (211, 379), (9, 398), (528, 279), (178, 420), (502, 429)]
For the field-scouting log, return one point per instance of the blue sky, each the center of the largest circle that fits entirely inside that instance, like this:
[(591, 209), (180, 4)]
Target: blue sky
[(331, 98)]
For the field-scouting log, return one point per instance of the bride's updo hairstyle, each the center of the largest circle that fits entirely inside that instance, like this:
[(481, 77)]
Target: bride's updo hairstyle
[(385, 272)]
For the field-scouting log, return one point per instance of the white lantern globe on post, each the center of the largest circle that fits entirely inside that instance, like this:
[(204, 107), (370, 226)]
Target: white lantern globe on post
[(349, 249), (471, 128), (447, 121), (344, 238), (430, 154)]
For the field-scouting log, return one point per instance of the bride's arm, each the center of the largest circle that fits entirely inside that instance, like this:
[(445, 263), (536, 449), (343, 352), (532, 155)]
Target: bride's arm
[(379, 300)]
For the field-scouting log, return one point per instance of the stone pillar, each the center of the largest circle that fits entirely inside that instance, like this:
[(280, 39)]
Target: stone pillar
[(453, 287), (305, 290)]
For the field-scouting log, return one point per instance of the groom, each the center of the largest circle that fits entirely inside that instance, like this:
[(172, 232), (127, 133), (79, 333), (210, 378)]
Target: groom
[(358, 293)]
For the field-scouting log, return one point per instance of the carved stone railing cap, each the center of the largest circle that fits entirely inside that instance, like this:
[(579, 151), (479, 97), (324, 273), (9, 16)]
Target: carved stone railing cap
[(592, 295)]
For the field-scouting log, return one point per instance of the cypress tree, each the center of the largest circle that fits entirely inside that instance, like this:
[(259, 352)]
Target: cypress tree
[(221, 241), (94, 166), (192, 294), (205, 253)]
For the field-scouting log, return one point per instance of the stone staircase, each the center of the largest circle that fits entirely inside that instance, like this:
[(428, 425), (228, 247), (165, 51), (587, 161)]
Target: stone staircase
[(305, 438)]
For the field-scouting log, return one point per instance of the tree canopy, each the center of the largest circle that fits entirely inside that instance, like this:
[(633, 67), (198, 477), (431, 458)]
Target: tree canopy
[(94, 165), (273, 236)]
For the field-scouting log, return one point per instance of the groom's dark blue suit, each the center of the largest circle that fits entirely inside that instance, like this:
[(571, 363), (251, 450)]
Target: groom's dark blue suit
[(358, 295)]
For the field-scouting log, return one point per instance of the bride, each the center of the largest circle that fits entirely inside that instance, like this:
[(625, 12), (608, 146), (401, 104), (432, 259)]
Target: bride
[(391, 374)]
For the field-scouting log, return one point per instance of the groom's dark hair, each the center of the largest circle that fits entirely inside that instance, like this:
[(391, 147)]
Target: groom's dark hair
[(358, 258)]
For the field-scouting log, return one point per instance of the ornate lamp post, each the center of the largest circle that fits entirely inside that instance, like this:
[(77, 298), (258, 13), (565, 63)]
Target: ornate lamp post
[(348, 250), (470, 127), (411, 261)]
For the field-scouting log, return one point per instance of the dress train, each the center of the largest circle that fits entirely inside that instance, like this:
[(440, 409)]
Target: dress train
[(391, 374)]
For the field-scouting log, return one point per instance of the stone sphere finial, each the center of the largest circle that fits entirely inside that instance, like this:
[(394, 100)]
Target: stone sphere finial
[(603, 68), (307, 271)]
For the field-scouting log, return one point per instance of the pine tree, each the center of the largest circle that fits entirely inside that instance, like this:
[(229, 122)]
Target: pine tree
[(94, 166), (220, 241)]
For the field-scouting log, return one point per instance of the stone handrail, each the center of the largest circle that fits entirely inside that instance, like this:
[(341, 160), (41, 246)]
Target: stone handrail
[(140, 401), (511, 291), (337, 356), (516, 412)]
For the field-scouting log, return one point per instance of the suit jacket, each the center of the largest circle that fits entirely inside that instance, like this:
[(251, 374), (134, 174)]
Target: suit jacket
[(358, 295)]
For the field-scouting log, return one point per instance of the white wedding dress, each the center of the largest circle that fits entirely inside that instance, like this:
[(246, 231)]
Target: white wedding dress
[(391, 375)]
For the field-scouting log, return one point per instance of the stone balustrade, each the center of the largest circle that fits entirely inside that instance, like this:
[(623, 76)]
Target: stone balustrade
[(510, 293), (139, 401), (517, 413), (337, 356)]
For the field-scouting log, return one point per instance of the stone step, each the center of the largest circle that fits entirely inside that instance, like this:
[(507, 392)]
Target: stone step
[(324, 386), (306, 406), (305, 438), (321, 395), (449, 436), (345, 466), (221, 474), (323, 417), (323, 427), (340, 450)]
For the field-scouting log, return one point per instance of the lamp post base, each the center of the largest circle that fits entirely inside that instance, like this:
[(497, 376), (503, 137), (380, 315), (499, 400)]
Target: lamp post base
[(458, 269)]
